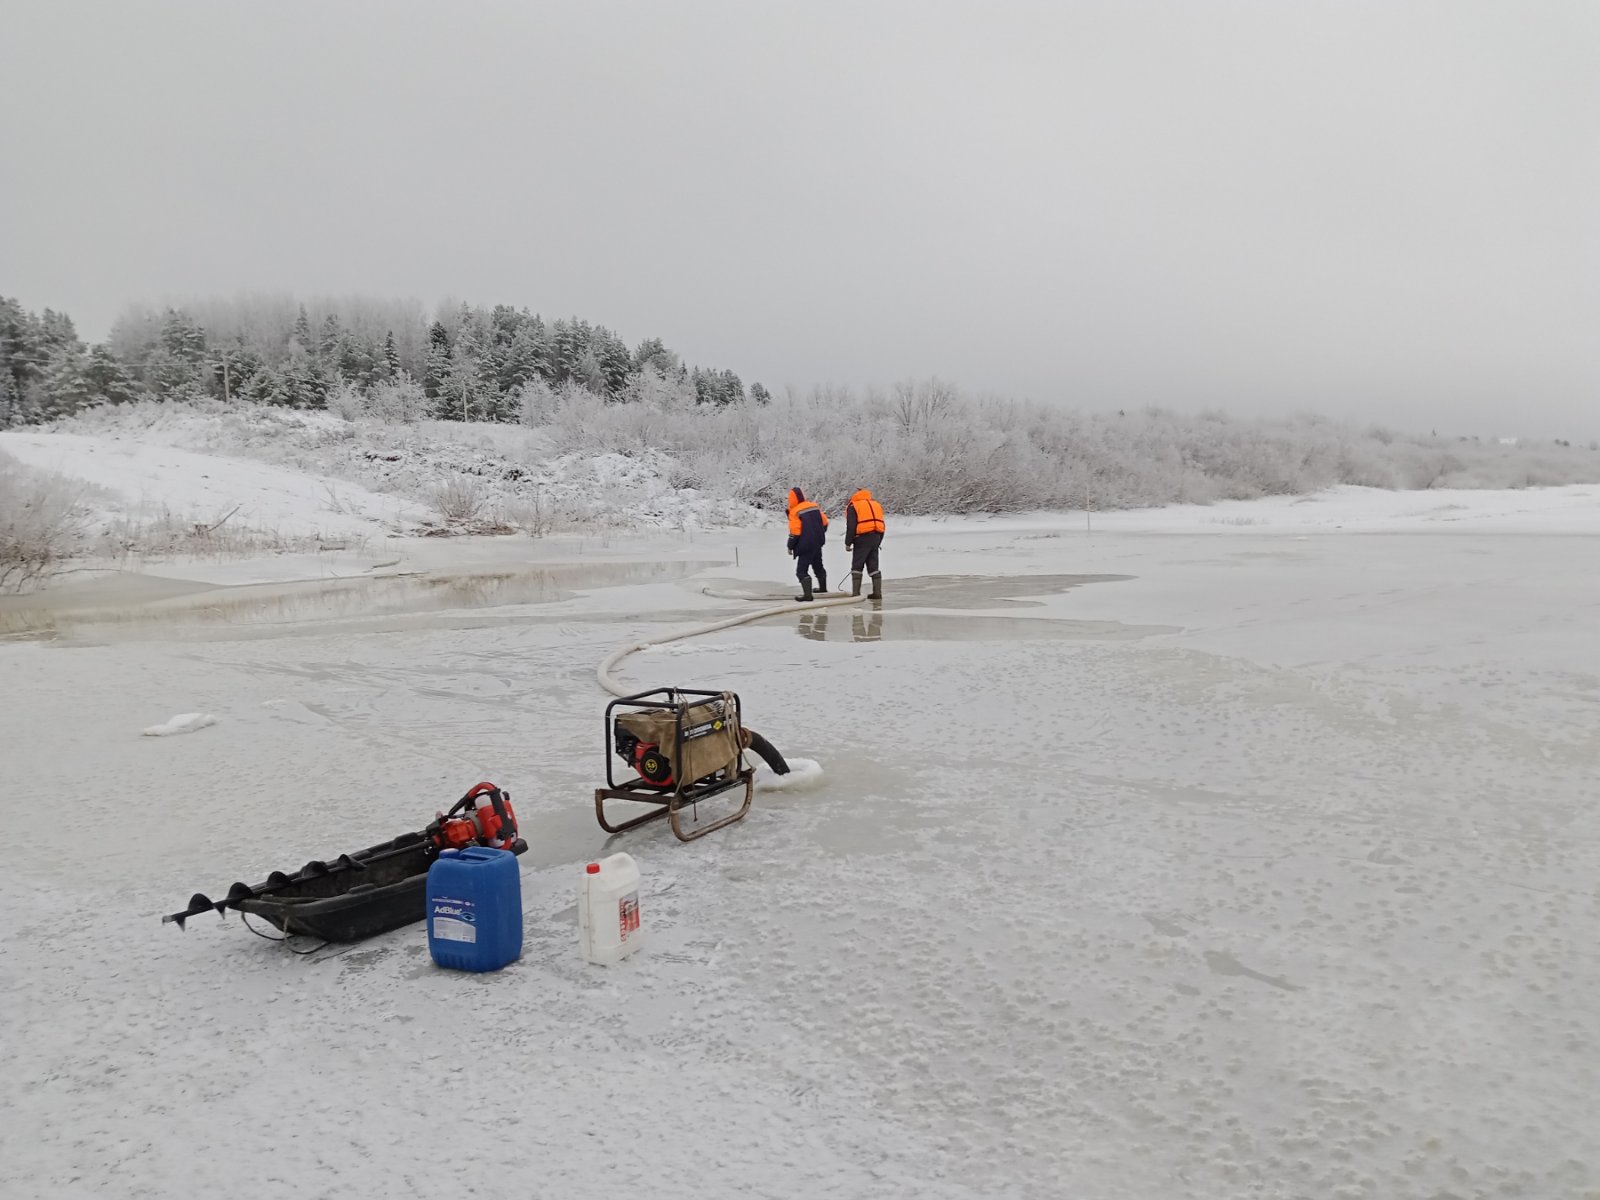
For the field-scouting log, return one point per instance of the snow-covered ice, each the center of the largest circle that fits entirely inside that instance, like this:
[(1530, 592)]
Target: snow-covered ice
[(1174, 859), (182, 723), (803, 773)]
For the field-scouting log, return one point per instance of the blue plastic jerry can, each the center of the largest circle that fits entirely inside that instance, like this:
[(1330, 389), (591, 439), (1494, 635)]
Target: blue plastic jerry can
[(475, 909)]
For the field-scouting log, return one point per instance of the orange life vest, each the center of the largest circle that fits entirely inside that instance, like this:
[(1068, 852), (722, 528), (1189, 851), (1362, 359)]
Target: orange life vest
[(796, 507), (869, 513)]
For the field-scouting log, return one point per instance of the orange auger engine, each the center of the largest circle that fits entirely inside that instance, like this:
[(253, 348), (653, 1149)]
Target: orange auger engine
[(483, 817)]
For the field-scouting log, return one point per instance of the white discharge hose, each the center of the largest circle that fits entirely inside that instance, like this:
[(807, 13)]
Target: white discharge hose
[(616, 688)]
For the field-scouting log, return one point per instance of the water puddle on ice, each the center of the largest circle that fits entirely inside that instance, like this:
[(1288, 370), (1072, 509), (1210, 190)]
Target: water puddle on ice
[(931, 591), (899, 616), (874, 625), (131, 605), (1226, 964)]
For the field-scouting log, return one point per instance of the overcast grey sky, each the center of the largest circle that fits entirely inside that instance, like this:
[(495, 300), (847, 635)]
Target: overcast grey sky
[(1386, 210)]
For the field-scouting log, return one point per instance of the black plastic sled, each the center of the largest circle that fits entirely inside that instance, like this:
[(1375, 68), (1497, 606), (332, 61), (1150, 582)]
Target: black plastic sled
[(354, 897)]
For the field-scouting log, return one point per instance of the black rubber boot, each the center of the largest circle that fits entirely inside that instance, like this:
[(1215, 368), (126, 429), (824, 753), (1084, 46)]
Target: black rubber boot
[(805, 586), (855, 583), (877, 588), (822, 580)]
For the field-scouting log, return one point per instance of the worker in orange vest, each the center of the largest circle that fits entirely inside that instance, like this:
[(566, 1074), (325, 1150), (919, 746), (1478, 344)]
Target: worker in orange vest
[(808, 530), (863, 531)]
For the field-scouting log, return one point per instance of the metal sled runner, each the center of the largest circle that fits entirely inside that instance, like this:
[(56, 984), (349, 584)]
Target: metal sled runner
[(686, 747)]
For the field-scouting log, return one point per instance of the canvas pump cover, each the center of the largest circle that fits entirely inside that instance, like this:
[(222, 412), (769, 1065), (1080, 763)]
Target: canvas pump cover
[(710, 736)]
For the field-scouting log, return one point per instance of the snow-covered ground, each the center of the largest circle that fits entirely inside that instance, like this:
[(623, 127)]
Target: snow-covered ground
[(307, 476), (1209, 854), (142, 480)]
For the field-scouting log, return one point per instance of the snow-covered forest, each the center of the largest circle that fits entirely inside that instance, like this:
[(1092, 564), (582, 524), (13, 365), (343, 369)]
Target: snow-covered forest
[(467, 363)]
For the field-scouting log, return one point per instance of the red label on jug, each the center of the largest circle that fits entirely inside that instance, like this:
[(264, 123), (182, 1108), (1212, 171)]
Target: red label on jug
[(628, 914)]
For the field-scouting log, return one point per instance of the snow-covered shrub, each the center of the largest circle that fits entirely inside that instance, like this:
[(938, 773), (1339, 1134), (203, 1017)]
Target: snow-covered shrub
[(399, 401), (460, 499), (537, 402), (347, 401), (532, 513), (655, 389), (41, 521), (217, 537)]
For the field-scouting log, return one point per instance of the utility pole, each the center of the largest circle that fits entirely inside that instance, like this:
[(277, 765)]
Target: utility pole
[(227, 393)]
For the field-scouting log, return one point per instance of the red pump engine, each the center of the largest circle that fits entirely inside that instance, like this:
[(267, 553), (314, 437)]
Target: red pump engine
[(483, 817)]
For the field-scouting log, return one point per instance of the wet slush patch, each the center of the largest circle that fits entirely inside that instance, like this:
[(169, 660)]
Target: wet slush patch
[(131, 605)]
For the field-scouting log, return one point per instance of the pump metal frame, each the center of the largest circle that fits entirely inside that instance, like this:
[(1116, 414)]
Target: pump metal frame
[(671, 802)]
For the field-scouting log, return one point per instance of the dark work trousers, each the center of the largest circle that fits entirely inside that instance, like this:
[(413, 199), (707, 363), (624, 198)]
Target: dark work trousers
[(865, 557), (808, 560)]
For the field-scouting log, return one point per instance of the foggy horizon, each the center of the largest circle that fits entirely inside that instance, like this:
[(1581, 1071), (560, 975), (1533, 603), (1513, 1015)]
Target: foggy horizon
[(1381, 213)]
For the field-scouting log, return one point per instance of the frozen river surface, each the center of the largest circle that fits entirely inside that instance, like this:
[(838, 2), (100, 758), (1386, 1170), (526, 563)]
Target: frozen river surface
[(1196, 864)]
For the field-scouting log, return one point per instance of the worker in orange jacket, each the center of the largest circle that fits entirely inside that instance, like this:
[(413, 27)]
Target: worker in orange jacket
[(863, 531), (808, 530)]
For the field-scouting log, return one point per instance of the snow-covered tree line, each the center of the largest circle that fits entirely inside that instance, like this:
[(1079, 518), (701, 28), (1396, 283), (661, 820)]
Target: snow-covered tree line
[(358, 356), (925, 448), (921, 446), (46, 370)]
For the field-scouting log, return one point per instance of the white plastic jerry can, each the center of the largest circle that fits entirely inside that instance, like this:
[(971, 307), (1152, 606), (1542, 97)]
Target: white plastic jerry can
[(608, 909)]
